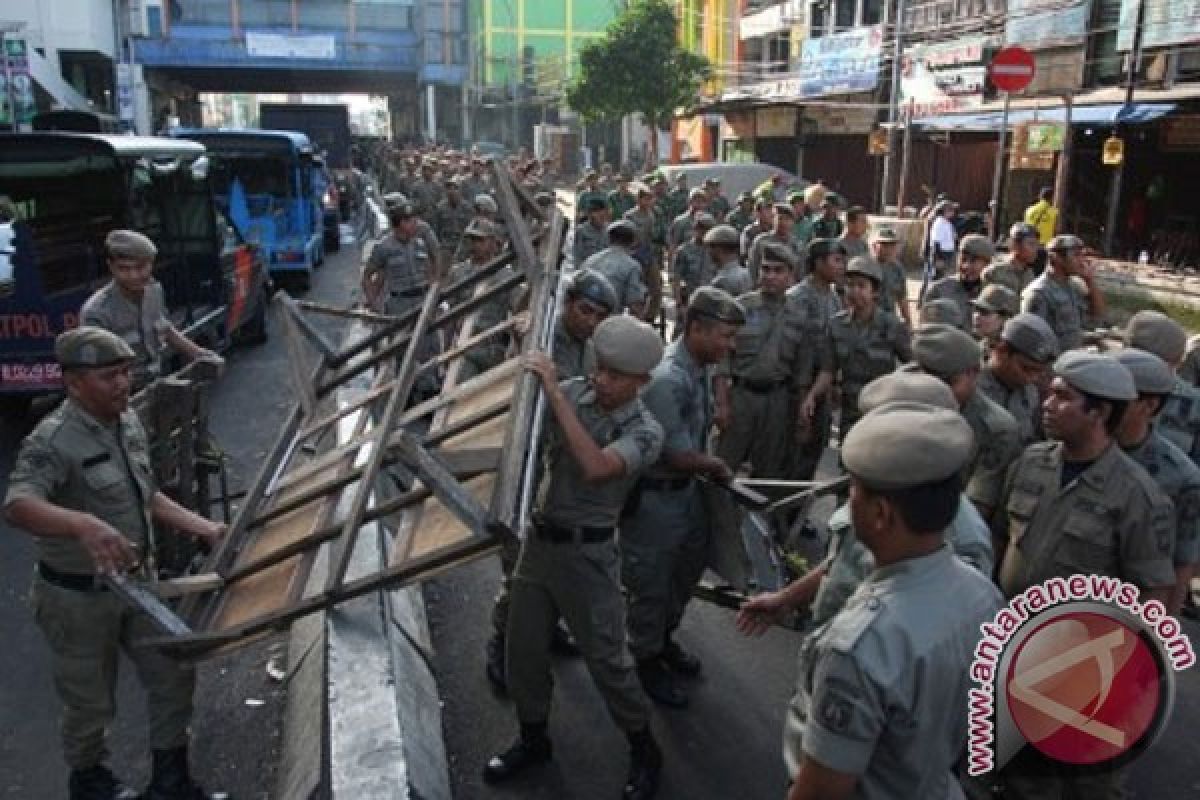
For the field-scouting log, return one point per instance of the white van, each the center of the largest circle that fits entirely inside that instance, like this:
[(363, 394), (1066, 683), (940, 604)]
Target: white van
[(735, 178)]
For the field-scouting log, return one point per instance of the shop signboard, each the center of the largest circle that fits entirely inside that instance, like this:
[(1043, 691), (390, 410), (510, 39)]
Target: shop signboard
[(944, 78), (1039, 24), (841, 63), (16, 86), (1165, 23)]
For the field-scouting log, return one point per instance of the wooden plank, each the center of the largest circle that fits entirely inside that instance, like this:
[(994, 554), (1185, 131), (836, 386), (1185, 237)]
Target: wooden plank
[(518, 230), (304, 325), (140, 596), (436, 476), (304, 390), (461, 349), (322, 424), (188, 584)]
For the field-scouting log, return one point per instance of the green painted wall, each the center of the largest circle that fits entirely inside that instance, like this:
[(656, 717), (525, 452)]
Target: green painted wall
[(555, 29)]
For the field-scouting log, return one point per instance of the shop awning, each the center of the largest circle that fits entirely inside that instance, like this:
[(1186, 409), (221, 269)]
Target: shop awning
[(1101, 115)]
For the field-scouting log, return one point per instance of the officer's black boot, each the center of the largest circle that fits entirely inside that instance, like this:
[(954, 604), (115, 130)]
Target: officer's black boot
[(97, 783), (660, 684), (531, 749), (645, 763), (170, 779), (680, 661), (495, 664)]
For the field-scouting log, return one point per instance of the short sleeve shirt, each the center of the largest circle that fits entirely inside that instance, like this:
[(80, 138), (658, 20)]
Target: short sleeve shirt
[(1060, 305), (573, 358), (998, 444), (953, 289), (680, 397), (142, 324), (1179, 479), (622, 271), (1021, 402), (895, 287)]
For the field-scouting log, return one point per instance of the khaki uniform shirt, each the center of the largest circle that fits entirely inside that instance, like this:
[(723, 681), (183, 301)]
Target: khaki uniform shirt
[(749, 234), (762, 355), (622, 271), (693, 265), (1110, 520), (680, 397), (856, 246), (719, 207), (895, 287), (808, 310), (488, 353), (73, 461), (449, 222), (589, 240), (572, 358), (620, 202), (473, 186), (1060, 305), (882, 686), (955, 290), (425, 195), (681, 228), (864, 351), (1007, 274), (1179, 419), (754, 261), (997, 445), (405, 266), (1179, 479), (733, 278), (650, 235), (1021, 402), (142, 325), (566, 497), (740, 219), (675, 203)]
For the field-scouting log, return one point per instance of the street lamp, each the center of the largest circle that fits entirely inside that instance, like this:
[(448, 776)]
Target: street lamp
[(10, 96)]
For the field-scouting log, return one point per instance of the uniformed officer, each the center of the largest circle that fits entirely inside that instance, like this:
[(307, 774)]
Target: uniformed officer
[(678, 198), (885, 245), (1017, 271), (1014, 371), (133, 307), (83, 487), (424, 231), (589, 189), (722, 245), (1189, 370), (1074, 505), (664, 532), (718, 204), (764, 220), (622, 270), (994, 306), (944, 311), (1169, 466), (759, 372), (1179, 418), (425, 193), (952, 355), (863, 343), (810, 306), (599, 437), (692, 266), (483, 245), (974, 253), (1054, 298), (476, 182), (828, 225), (741, 217), (651, 241), (589, 300), (881, 688), (680, 229), (802, 230), (780, 233), (591, 235), (854, 238), (825, 589), (621, 199), (450, 220)]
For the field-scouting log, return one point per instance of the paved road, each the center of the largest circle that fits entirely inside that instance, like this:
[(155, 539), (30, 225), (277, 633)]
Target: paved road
[(235, 746)]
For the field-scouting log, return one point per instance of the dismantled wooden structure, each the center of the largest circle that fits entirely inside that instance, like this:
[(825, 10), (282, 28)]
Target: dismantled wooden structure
[(458, 463)]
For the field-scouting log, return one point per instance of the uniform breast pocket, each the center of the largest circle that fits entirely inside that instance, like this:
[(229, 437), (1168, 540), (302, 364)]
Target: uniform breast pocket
[(105, 483), (748, 339), (1021, 508), (1086, 544)]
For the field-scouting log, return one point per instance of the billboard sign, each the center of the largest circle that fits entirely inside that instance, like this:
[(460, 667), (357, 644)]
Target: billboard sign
[(841, 63)]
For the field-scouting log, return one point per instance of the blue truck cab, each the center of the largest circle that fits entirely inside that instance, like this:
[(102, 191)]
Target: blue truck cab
[(269, 185)]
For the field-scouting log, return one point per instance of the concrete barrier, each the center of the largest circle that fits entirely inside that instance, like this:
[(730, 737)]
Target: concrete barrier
[(363, 718)]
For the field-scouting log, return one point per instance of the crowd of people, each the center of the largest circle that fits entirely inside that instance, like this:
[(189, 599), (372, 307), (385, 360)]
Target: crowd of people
[(699, 340)]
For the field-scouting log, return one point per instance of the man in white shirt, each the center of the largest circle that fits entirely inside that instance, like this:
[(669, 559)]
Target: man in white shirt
[(942, 244)]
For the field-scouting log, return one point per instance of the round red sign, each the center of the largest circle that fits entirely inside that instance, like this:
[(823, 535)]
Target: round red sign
[(1011, 69)]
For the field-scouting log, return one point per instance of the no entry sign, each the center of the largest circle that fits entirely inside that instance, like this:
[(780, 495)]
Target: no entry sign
[(1011, 69)]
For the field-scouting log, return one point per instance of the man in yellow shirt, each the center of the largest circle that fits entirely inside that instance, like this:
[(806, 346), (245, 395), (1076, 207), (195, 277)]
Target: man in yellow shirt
[(1043, 215)]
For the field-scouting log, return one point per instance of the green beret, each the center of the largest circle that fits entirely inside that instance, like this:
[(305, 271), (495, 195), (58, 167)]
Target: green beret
[(1097, 375), (1151, 375), (622, 228), (129, 244), (1155, 332), (1065, 241), (906, 386), (902, 445), (724, 235), (778, 253), (1031, 336), (718, 304), (975, 245), (627, 345), (998, 300), (819, 248), (944, 350), (943, 310), (595, 288), (867, 267), (88, 346), (401, 211)]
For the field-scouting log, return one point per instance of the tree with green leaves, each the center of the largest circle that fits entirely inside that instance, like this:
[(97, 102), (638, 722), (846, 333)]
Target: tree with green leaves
[(638, 67)]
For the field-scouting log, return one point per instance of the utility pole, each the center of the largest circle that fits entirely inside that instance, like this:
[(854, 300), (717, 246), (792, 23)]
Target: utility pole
[(1114, 195), (893, 105), (1063, 176)]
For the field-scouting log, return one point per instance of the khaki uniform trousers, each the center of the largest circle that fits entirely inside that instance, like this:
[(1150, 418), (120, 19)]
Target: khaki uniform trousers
[(86, 632), (1032, 776), (664, 551), (806, 456), (577, 581), (760, 431)]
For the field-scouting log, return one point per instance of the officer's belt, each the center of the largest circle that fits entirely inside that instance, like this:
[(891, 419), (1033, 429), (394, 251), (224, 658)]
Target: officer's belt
[(665, 484), (759, 387), (75, 581), (409, 292), (562, 534)]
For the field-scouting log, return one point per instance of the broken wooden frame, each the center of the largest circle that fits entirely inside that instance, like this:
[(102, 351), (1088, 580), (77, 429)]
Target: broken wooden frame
[(457, 488)]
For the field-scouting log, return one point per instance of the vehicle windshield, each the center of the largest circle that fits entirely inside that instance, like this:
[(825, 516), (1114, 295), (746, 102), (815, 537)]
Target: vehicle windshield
[(261, 175)]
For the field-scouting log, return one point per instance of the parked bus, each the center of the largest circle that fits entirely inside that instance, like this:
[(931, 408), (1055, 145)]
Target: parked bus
[(268, 184), (64, 192)]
